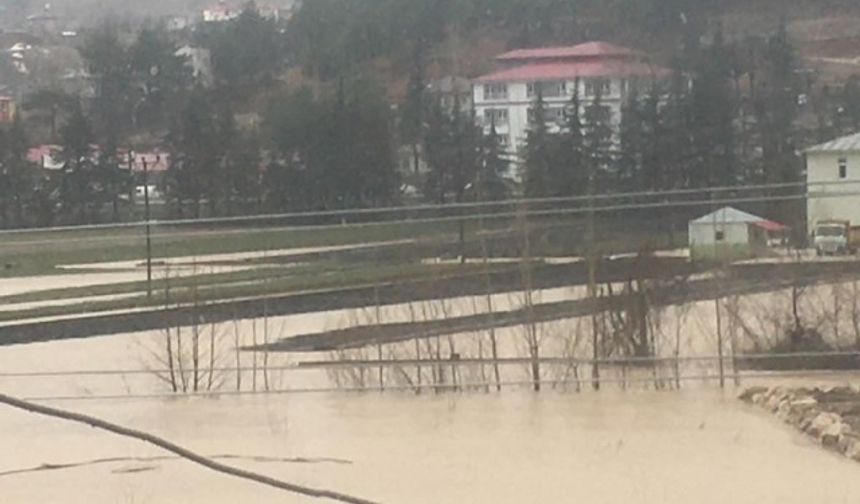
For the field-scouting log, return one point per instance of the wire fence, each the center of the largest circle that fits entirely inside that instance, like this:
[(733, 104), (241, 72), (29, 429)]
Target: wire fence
[(624, 375)]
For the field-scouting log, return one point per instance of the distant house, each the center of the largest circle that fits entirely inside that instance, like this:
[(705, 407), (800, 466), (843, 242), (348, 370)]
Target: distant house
[(220, 12), (47, 157), (7, 110), (505, 97), (833, 168), (729, 234), (223, 11), (155, 161)]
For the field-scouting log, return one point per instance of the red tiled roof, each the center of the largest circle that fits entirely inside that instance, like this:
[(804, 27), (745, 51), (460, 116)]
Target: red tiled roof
[(35, 154), (570, 71), (769, 225), (588, 49)]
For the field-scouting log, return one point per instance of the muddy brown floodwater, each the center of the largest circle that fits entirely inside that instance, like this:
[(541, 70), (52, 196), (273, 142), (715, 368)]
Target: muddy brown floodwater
[(697, 445), (516, 447)]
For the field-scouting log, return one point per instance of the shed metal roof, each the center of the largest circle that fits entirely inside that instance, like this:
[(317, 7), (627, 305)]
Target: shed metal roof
[(842, 144), (728, 215)]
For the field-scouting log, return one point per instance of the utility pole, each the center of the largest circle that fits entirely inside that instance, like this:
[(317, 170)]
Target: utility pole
[(148, 230), (592, 285)]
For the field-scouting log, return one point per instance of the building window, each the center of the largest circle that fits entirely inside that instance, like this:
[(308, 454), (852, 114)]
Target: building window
[(719, 236), (553, 89), (498, 117), (495, 91), (550, 114), (594, 86), (504, 140), (843, 168)]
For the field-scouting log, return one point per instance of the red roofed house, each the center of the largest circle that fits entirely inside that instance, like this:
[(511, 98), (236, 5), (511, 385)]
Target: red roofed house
[(220, 12), (505, 96)]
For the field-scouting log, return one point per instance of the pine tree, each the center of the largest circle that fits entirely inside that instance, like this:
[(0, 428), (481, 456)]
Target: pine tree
[(568, 171), (538, 151), (631, 142), (413, 111), (242, 162), (194, 148), (653, 173), (777, 111), (466, 144), (108, 63), (371, 144), (440, 158), (673, 157), (598, 142), (111, 181), (336, 151), (489, 179), (78, 189), (248, 50), (850, 105), (713, 111), (158, 74)]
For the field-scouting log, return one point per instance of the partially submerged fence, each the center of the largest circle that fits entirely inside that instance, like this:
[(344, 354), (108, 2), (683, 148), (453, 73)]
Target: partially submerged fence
[(657, 373)]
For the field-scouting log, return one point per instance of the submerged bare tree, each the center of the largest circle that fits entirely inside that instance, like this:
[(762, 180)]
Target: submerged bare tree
[(189, 368), (530, 326)]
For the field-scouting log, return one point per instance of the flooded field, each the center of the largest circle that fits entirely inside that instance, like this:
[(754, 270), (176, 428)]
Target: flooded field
[(698, 444), (645, 447)]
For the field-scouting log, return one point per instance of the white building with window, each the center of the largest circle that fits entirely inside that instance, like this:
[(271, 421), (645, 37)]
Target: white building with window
[(730, 234), (833, 168), (505, 97)]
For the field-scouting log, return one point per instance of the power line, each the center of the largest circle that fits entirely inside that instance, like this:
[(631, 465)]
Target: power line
[(452, 218), (428, 208)]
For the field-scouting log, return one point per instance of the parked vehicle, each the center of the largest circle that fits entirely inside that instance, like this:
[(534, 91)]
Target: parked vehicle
[(835, 237)]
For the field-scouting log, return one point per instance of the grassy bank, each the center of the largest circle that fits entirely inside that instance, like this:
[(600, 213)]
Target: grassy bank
[(222, 287)]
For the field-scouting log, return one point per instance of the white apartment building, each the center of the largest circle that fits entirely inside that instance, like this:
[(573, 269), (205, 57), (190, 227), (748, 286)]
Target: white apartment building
[(506, 96), (833, 168)]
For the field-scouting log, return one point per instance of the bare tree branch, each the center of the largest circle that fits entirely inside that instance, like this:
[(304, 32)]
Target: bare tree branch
[(178, 450)]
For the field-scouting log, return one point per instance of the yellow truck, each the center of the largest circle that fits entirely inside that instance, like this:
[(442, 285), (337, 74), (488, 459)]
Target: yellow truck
[(835, 237)]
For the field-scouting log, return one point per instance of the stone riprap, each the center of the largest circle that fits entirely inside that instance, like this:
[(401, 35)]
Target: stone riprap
[(830, 415)]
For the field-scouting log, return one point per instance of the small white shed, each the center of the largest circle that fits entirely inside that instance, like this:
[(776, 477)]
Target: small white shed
[(729, 233)]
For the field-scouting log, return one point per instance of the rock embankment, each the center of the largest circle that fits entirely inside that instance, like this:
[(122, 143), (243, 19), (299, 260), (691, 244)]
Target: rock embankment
[(830, 415)]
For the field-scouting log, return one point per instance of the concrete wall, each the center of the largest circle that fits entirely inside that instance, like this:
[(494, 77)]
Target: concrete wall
[(824, 167)]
